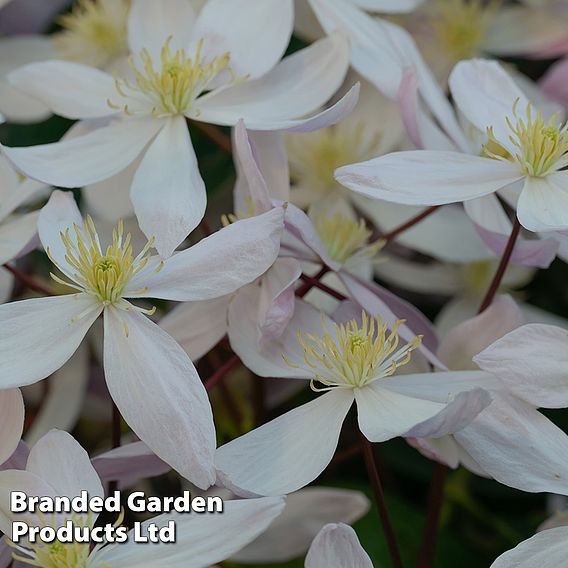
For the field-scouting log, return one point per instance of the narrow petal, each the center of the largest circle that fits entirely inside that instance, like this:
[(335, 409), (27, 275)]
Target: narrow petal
[(160, 394), (271, 460), (425, 177), (532, 362), (307, 511), (86, 159), (38, 336), (202, 540), (11, 421), (68, 89), (543, 204), (168, 192), (16, 234), (337, 546), (546, 549), (219, 264), (255, 32)]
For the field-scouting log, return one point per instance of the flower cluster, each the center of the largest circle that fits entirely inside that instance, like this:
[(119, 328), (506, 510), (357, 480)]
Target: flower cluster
[(242, 242)]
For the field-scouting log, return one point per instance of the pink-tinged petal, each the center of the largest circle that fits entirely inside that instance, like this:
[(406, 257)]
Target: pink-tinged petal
[(61, 461), (18, 459), (427, 177), (472, 336), (38, 336), (5, 554), (337, 546), (11, 421), (555, 82), (202, 540), (151, 24), (298, 85), (219, 264), (160, 394), (68, 89), (531, 361), (546, 549), (444, 450), (86, 159), (557, 49), (255, 32), (306, 512), (16, 234), (271, 460), (167, 191), (543, 204), (129, 464), (518, 446), (198, 326)]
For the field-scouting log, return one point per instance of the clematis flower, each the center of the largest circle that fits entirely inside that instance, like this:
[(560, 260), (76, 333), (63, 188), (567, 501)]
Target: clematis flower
[(58, 466), (354, 361), (11, 421), (522, 159), (555, 81), (214, 68), (151, 379)]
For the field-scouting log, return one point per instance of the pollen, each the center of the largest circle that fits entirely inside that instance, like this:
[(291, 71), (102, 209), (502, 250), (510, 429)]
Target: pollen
[(344, 237), (173, 84), (541, 147), (94, 32), (354, 354), (103, 274)]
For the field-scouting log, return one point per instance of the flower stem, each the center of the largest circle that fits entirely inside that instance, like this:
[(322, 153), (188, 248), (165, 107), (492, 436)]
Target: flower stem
[(220, 373), (375, 480), (317, 284), (308, 285), (28, 281), (409, 224), (215, 135)]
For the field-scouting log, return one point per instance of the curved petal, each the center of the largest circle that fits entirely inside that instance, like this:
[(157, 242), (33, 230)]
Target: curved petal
[(425, 177), (6, 285), (298, 85), (68, 89), (337, 546), (11, 421), (202, 540), (555, 82), (306, 512), (168, 192), (543, 204), (388, 6), (219, 264), (159, 394), (86, 159), (38, 336), (16, 234), (288, 452), (255, 32)]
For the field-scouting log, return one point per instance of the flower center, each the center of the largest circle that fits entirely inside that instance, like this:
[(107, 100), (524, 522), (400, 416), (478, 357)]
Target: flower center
[(172, 86), (101, 274), (461, 25), (355, 354), (94, 32), (344, 237), (541, 147)]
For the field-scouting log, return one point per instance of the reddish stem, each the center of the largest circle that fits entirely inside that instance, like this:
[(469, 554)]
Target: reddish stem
[(317, 284), (307, 286), (28, 281), (409, 224), (215, 135), (220, 373)]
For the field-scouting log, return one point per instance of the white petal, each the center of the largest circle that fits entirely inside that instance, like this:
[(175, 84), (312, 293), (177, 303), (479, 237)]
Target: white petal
[(160, 394), (168, 192), (299, 85), (255, 32), (388, 6), (287, 453), (6, 285), (425, 177), (219, 264), (68, 89), (202, 540), (532, 362), (546, 549), (151, 24), (16, 234), (38, 336), (337, 546), (11, 421), (306, 512), (198, 326), (85, 159), (61, 461), (543, 204)]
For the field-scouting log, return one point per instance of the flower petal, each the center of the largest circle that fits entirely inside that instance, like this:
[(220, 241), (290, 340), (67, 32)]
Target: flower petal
[(38, 336), (11, 421), (543, 204), (271, 460), (424, 177), (219, 264), (16, 234), (86, 159), (159, 394)]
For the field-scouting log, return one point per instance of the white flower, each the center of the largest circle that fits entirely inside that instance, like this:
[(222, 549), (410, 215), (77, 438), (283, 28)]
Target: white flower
[(214, 68), (151, 379), (11, 421)]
